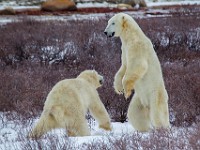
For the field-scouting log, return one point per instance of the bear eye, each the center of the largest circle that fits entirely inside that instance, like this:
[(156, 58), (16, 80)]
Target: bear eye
[(113, 23)]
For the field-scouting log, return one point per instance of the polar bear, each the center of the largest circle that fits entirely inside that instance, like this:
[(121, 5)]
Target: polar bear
[(67, 104), (140, 71)]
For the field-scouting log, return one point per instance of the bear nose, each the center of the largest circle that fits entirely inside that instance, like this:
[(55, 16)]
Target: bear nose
[(113, 33), (105, 32), (101, 81)]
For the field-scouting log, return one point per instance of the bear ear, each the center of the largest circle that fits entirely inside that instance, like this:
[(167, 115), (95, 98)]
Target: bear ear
[(124, 22), (93, 71)]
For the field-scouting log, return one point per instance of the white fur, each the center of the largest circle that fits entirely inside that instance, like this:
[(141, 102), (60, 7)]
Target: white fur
[(67, 104), (141, 71)]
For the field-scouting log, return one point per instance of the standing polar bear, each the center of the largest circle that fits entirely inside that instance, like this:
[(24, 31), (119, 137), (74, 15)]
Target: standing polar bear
[(141, 71), (67, 104)]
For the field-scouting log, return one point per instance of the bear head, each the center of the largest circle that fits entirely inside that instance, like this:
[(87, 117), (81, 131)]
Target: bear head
[(92, 77), (117, 24)]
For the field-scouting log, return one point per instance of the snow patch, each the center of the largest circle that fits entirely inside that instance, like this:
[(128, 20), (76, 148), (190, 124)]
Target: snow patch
[(164, 3)]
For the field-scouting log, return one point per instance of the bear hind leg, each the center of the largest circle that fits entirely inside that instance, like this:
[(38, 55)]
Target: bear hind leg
[(159, 112), (78, 128), (138, 115), (42, 126)]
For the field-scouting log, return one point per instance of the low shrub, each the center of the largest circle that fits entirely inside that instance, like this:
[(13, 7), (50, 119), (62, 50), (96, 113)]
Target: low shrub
[(34, 55)]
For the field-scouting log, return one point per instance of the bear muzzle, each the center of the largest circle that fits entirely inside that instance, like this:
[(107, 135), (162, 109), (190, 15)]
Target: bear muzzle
[(109, 34), (101, 81)]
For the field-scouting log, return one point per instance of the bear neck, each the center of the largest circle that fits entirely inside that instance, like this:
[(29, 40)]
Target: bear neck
[(131, 31), (88, 79)]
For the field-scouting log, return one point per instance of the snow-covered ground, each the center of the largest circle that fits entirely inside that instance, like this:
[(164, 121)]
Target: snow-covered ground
[(149, 3), (16, 6), (13, 136), (137, 14), (13, 131), (163, 3)]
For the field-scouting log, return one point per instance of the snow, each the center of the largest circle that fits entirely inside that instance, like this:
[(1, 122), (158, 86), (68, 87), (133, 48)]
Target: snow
[(96, 4), (7, 19), (19, 7), (149, 3), (164, 3), (11, 132), (13, 135), (137, 14), (104, 4), (94, 16)]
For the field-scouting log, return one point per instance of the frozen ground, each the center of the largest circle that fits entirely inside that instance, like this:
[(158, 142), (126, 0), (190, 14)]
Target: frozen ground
[(15, 5), (98, 16), (13, 136), (13, 131), (137, 14)]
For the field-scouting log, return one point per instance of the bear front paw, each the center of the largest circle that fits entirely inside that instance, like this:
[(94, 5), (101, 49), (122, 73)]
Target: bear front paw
[(32, 136), (106, 126), (127, 93), (118, 87), (128, 87)]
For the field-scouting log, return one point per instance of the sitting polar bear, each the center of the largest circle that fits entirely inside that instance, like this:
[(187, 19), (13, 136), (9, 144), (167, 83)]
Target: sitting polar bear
[(67, 104), (141, 71)]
